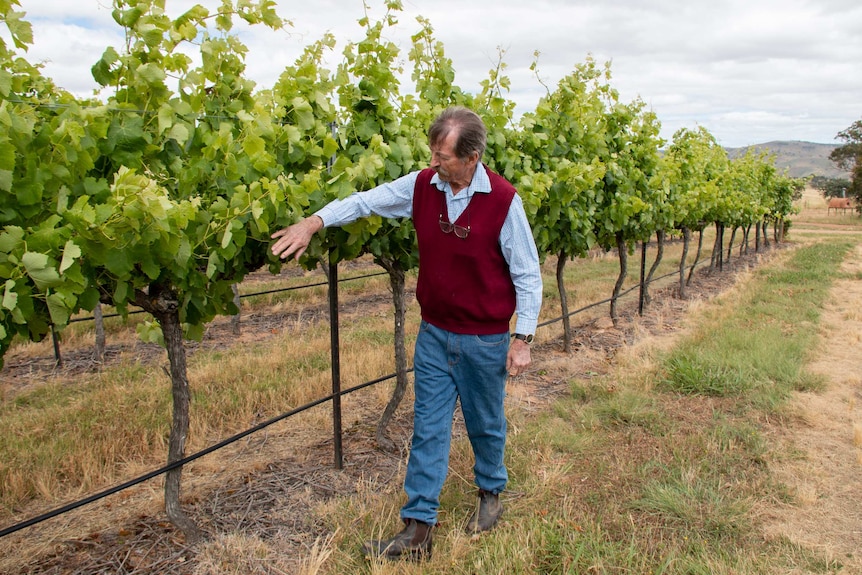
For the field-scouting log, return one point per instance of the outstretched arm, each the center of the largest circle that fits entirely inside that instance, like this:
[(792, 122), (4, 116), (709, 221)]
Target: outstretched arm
[(390, 200)]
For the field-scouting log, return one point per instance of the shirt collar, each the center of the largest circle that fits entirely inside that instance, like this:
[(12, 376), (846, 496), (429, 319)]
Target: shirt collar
[(479, 183)]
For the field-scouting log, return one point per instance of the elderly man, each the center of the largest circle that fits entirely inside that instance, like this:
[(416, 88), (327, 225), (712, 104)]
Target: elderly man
[(478, 267)]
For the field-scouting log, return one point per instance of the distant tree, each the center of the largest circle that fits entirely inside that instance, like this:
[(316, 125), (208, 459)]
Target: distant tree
[(831, 187), (849, 157)]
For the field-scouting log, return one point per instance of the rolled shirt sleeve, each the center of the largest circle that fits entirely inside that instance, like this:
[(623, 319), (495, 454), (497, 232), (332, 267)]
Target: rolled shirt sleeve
[(390, 200)]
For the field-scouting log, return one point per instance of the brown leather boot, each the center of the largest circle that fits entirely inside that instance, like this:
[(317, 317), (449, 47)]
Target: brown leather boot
[(412, 543), (487, 514)]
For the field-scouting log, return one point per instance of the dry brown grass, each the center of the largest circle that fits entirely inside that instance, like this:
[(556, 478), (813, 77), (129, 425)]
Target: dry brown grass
[(90, 429)]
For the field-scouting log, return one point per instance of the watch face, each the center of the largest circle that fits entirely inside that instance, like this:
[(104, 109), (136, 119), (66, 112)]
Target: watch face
[(529, 338)]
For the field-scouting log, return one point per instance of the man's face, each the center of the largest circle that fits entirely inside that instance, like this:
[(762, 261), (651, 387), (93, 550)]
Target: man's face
[(448, 165)]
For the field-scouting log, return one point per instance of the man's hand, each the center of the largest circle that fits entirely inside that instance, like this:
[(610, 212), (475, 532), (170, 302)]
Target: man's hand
[(293, 240), (518, 359)]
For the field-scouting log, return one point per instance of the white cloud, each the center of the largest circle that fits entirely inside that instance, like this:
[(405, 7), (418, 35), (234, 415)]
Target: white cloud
[(750, 71), (82, 47)]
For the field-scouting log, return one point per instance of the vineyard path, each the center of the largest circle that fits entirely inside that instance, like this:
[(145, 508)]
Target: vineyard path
[(825, 482)]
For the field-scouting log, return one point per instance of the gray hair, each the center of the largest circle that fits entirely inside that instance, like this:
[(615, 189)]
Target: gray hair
[(472, 134)]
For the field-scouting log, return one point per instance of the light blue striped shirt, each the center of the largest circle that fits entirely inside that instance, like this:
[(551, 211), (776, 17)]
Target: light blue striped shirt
[(395, 200)]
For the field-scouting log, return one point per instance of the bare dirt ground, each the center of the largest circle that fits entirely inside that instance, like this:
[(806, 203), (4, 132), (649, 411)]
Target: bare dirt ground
[(269, 485)]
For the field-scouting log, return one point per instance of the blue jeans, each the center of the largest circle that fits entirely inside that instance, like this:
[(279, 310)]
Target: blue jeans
[(448, 366)]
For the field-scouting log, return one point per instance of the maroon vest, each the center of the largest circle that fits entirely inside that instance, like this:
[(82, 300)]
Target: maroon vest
[(464, 285)]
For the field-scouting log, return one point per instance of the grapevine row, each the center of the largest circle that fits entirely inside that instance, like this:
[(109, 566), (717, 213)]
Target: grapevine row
[(164, 196)]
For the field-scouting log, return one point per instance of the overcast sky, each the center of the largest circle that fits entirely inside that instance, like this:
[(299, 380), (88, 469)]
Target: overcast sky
[(750, 71)]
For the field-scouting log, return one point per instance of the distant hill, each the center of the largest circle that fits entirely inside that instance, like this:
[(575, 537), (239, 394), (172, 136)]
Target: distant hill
[(799, 158)]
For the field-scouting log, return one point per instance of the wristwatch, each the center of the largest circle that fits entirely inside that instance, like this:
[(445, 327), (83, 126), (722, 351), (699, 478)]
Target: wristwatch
[(528, 339)]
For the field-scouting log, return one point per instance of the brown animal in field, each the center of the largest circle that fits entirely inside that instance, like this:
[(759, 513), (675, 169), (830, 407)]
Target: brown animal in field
[(843, 204)]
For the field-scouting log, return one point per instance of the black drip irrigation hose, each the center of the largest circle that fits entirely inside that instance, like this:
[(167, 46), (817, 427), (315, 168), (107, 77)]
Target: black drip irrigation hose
[(180, 462)]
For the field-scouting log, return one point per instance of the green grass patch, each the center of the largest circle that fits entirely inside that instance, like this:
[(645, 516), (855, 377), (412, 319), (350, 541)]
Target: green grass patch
[(757, 348)]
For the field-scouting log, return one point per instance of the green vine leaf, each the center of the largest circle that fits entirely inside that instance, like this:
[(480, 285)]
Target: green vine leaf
[(40, 270), (71, 252)]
